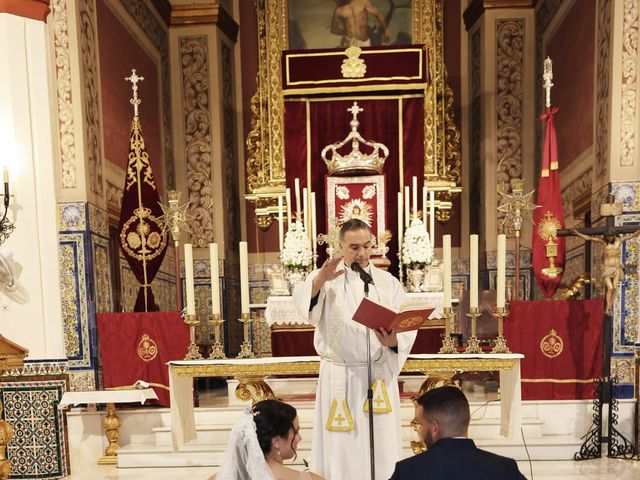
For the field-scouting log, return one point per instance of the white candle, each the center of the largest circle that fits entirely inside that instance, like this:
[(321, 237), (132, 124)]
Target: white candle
[(446, 269), (188, 274), (244, 278), (215, 279), (432, 217), (297, 199), (473, 272), (415, 196), (502, 270), (280, 224), (400, 213), (288, 193), (424, 207), (305, 211), (314, 226), (407, 206)]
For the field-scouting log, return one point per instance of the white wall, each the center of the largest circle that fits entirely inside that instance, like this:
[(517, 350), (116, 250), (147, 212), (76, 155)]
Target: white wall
[(26, 146)]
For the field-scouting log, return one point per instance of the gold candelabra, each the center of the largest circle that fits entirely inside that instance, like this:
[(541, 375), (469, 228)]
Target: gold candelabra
[(500, 345), (245, 349), (473, 344), (193, 353), (217, 350), (448, 343)]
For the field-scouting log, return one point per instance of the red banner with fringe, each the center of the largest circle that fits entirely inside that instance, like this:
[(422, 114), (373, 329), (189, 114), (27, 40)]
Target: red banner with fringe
[(137, 346)]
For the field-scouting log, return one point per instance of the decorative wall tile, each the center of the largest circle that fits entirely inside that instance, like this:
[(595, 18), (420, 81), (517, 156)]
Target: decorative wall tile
[(623, 368), (75, 306), (627, 193), (72, 217), (102, 274), (36, 368), (626, 308), (39, 448), (83, 380), (98, 220)]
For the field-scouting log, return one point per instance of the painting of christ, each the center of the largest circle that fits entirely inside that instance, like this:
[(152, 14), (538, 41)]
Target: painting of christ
[(342, 23)]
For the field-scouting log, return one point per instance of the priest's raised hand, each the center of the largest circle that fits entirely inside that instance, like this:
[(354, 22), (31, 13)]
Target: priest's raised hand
[(330, 270)]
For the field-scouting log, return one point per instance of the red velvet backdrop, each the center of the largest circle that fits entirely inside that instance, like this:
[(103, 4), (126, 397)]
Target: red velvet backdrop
[(127, 357), (329, 121), (557, 365)]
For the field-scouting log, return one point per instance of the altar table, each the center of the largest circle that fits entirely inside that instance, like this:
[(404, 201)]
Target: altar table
[(111, 422), (291, 335), (181, 373)]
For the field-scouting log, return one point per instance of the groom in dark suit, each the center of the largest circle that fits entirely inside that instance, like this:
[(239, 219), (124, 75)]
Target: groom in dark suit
[(444, 421)]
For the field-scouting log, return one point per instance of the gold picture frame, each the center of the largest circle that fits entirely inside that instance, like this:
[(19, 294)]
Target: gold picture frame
[(265, 143)]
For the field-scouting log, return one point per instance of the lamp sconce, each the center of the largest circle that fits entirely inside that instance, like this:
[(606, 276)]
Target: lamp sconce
[(6, 226)]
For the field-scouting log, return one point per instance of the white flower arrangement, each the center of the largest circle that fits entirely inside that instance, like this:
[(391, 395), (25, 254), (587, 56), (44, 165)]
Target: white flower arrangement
[(416, 247), (296, 252)]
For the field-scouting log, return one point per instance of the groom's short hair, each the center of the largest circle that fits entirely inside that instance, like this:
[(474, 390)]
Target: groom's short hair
[(449, 407), (353, 224)]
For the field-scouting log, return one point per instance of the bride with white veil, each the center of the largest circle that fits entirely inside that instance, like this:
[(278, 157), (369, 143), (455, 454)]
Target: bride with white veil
[(263, 437)]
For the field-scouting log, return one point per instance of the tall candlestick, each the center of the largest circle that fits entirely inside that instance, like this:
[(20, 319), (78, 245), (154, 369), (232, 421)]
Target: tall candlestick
[(188, 274), (432, 218), (5, 178), (407, 206), (473, 272), (280, 224), (305, 210), (288, 193), (424, 208), (244, 278), (446, 270), (314, 227), (502, 270), (297, 182), (414, 185), (215, 279), (400, 213)]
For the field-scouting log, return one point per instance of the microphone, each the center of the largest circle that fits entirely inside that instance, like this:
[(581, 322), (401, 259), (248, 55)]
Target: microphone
[(364, 276)]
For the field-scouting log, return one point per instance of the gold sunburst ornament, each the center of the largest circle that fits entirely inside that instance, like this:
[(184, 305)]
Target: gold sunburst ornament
[(356, 208), (548, 231)]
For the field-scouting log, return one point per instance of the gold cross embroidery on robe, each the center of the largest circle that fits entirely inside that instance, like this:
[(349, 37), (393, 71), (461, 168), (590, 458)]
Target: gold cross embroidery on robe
[(381, 403), (340, 419)]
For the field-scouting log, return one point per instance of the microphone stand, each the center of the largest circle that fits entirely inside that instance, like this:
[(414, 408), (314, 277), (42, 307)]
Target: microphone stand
[(370, 393)]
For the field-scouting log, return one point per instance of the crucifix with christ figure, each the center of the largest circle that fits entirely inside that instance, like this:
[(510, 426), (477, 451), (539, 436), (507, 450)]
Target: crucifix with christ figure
[(612, 268)]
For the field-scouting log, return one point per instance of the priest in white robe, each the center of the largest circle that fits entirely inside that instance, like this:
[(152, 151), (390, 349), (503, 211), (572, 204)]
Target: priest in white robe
[(328, 299)]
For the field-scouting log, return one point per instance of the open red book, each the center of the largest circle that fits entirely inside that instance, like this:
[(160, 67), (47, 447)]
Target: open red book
[(411, 316)]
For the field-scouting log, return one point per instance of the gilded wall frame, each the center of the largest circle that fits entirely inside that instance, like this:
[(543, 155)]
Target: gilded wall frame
[(265, 142)]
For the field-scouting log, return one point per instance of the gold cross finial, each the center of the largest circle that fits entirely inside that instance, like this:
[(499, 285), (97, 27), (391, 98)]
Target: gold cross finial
[(134, 79), (547, 76), (355, 110)]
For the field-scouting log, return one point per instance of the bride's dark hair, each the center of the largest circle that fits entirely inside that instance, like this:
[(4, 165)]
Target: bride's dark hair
[(273, 418)]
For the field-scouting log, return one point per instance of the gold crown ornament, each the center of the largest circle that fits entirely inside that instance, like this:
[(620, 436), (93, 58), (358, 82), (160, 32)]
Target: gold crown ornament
[(356, 161)]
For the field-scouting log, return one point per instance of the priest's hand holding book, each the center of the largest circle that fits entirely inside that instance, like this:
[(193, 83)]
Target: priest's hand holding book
[(386, 322), (388, 339)]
